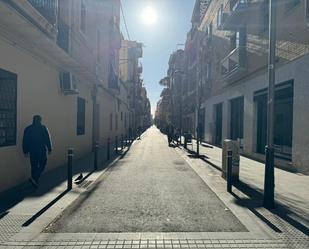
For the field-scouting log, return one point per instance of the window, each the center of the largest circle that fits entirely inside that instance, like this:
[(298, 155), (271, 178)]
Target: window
[(83, 17), (265, 16), (121, 116), (209, 31), (307, 11), (239, 39), (125, 120), (111, 121), (219, 16), (98, 45), (291, 4), (116, 121), (8, 99), (81, 111), (208, 71)]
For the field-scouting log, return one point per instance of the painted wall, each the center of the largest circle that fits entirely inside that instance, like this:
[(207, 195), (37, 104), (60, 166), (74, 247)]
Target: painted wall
[(38, 92)]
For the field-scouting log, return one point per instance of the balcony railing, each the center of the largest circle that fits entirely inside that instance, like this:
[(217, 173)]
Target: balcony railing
[(233, 13), (238, 5), (47, 8), (235, 64)]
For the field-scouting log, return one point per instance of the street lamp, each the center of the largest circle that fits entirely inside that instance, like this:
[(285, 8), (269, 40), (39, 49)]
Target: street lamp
[(269, 181)]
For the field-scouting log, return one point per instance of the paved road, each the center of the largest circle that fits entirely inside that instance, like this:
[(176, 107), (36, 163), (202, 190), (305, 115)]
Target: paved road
[(152, 189)]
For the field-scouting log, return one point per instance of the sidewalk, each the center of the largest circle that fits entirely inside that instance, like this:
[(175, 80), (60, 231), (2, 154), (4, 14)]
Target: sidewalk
[(291, 190), (22, 205)]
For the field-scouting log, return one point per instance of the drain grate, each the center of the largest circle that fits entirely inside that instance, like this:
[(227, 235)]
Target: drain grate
[(10, 225)]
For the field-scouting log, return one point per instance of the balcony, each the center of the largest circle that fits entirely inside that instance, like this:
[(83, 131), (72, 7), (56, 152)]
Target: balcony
[(235, 64), (47, 8), (234, 13)]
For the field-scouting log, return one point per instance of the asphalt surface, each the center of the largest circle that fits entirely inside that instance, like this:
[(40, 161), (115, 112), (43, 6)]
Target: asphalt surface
[(151, 189)]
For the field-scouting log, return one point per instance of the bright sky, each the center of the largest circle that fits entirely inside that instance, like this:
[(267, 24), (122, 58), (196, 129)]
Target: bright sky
[(160, 25)]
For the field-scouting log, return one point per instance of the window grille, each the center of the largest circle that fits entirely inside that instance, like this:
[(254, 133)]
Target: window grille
[(8, 102)]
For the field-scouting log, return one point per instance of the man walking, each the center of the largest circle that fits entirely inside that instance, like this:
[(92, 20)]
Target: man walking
[(36, 141)]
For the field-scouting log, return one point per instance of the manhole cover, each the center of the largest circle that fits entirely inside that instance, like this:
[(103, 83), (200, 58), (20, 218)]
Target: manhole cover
[(182, 168), (179, 162)]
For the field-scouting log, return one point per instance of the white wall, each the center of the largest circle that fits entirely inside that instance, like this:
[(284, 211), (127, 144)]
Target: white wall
[(38, 92)]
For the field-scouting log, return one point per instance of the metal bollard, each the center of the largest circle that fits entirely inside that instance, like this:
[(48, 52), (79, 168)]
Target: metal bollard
[(95, 162), (197, 147), (108, 148), (70, 168), (229, 179), (116, 144), (122, 142), (185, 143)]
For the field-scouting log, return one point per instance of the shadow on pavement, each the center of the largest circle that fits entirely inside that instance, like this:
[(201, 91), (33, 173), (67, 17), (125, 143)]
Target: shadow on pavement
[(44, 209), (50, 180), (256, 199)]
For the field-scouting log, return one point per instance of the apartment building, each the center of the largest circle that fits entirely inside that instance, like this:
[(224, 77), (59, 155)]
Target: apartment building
[(233, 73), (130, 76), (59, 59)]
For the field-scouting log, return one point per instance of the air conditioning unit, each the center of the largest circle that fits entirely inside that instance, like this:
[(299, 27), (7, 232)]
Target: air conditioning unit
[(67, 84)]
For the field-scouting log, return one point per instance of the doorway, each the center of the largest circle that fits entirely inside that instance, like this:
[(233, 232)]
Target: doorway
[(283, 120), (237, 119), (218, 124)]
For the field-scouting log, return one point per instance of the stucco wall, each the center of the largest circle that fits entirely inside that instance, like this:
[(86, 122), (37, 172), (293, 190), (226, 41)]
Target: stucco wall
[(38, 92)]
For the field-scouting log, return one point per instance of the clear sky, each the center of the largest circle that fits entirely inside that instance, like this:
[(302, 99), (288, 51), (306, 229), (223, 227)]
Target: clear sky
[(160, 25)]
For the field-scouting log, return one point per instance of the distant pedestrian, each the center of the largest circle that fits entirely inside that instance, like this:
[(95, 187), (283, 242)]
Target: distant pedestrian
[(130, 133), (169, 133), (36, 142), (199, 132), (139, 132), (178, 137)]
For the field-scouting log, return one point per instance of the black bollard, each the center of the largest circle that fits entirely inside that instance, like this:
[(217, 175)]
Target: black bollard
[(108, 149), (70, 168), (197, 147), (116, 144), (95, 162), (229, 178), (122, 142)]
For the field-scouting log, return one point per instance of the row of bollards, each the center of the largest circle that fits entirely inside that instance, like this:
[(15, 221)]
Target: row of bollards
[(125, 141)]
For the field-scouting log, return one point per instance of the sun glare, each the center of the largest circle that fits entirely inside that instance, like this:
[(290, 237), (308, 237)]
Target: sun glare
[(149, 16)]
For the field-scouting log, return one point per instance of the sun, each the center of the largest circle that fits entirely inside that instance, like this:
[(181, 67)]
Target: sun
[(149, 16)]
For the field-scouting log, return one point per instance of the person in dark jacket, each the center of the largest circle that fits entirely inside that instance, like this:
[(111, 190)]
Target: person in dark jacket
[(36, 142)]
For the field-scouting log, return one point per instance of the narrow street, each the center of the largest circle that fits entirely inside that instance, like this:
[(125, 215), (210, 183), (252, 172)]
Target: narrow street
[(151, 189)]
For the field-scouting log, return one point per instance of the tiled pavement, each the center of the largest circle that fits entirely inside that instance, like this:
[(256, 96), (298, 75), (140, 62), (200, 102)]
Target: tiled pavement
[(164, 243)]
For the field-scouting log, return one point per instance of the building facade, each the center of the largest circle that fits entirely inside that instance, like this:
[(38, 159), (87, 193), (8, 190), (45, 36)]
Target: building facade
[(59, 59), (130, 75), (234, 59), (226, 83)]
